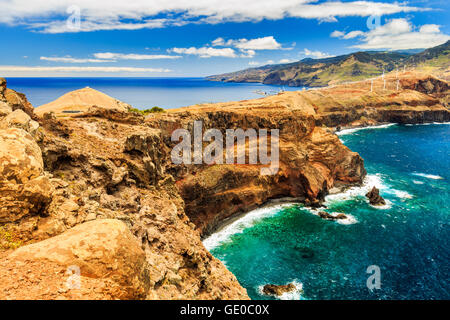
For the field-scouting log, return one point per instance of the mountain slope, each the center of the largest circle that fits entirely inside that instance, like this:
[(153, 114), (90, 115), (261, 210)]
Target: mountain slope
[(351, 67), (434, 60)]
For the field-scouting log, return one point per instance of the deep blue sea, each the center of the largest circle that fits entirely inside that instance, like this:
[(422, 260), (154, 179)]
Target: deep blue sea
[(143, 93), (408, 239)]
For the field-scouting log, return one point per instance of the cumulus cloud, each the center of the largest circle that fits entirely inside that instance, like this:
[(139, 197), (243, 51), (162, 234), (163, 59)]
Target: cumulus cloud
[(50, 16), (132, 56), (316, 54), (248, 47), (401, 34), (266, 43), (206, 52)]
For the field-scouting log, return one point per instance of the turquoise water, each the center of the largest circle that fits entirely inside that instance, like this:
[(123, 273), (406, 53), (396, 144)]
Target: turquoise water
[(143, 93), (409, 238)]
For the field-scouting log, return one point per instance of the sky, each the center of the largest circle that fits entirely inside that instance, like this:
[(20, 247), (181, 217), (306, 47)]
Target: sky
[(196, 38)]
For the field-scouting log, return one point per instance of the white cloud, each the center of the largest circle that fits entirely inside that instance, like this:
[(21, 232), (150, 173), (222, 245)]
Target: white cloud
[(248, 53), (266, 43), (400, 34), (80, 69), (286, 61), (346, 36), (206, 52), (132, 56), (69, 59), (248, 47), (316, 54), (430, 28), (254, 63), (218, 42), (50, 16), (337, 34)]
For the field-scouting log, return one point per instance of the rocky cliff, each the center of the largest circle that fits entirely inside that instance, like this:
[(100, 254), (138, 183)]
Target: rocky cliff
[(98, 190)]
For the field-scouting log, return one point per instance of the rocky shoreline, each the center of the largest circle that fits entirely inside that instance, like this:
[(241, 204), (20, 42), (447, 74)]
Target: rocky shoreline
[(71, 177)]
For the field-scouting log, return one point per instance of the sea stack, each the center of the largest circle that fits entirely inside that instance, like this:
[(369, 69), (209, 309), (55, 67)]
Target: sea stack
[(374, 197)]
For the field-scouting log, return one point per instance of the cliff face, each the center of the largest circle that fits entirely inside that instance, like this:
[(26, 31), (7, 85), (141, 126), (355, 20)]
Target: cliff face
[(63, 176), (312, 159), (420, 98)]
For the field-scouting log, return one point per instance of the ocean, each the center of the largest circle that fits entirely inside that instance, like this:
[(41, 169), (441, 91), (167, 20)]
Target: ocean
[(408, 239), (144, 93)]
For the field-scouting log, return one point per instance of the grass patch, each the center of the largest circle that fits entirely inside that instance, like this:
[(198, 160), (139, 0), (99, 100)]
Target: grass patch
[(8, 240)]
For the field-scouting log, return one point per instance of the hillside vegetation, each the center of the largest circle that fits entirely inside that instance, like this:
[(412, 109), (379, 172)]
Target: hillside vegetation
[(351, 67)]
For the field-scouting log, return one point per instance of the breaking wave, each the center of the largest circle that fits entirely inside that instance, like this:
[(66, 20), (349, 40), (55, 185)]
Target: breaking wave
[(239, 225), (353, 130)]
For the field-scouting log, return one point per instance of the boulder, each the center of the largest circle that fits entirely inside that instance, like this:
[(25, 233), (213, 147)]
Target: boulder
[(5, 109), (110, 262), (19, 119), (278, 290), (328, 216), (147, 146), (19, 101), (24, 189), (374, 197)]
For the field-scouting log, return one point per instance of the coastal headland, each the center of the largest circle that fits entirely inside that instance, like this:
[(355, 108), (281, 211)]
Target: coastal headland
[(92, 207)]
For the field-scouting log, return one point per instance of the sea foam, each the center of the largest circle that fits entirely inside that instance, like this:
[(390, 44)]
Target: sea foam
[(353, 130), (428, 176), (294, 295), (239, 225)]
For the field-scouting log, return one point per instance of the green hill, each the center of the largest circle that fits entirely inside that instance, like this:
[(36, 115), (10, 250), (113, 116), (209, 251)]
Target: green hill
[(351, 67)]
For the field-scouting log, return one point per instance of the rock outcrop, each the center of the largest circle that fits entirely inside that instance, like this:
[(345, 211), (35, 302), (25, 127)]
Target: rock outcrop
[(95, 260), (278, 290), (328, 216), (81, 100), (374, 197), (311, 159)]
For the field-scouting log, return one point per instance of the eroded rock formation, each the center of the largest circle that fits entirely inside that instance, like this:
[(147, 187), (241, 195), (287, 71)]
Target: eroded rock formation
[(278, 290), (374, 197)]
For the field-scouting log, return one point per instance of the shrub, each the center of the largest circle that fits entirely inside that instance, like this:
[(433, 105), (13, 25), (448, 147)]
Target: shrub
[(148, 111)]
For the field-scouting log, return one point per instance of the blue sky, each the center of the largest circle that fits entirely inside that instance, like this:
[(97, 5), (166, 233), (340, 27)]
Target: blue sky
[(156, 38)]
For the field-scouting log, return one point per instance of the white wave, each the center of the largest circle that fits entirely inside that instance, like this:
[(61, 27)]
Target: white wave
[(294, 295), (353, 130), (399, 193), (428, 176), (239, 225), (418, 182), (426, 123), (387, 206), (349, 220), (402, 194), (371, 180)]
